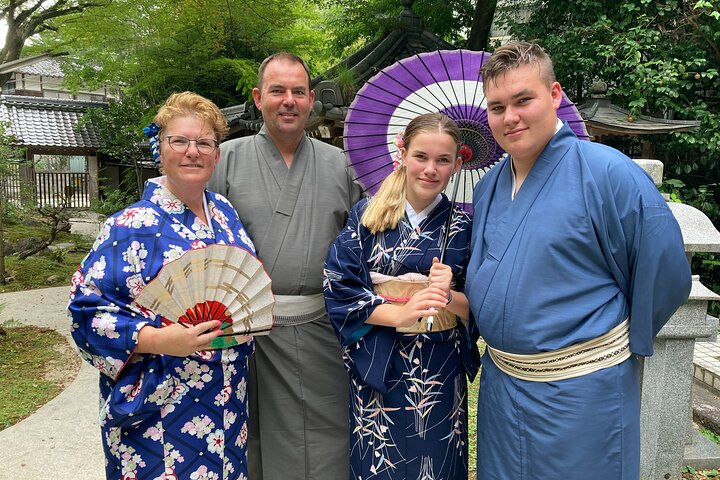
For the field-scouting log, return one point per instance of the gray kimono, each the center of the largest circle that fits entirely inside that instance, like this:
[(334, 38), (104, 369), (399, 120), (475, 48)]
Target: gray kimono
[(298, 387)]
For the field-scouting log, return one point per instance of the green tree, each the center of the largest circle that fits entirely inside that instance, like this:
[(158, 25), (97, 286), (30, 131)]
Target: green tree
[(27, 18), (8, 155), (210, 47), (120, 130), (482, 21), (354, 24)]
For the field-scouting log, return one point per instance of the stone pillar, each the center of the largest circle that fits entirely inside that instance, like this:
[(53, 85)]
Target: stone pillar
[(666, 403), (666, 433)]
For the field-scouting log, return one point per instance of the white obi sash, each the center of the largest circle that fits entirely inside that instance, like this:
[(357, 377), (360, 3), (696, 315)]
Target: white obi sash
[(605, 351)]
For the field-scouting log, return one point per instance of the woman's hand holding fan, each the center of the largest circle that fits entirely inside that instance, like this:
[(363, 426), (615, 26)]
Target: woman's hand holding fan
[(220, 283), (180, 340)]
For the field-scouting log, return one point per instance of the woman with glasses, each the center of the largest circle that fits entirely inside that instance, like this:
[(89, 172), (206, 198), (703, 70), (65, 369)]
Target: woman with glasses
[(170, 407)]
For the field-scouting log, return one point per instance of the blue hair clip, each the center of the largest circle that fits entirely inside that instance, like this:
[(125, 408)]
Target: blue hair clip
[(151, 131)]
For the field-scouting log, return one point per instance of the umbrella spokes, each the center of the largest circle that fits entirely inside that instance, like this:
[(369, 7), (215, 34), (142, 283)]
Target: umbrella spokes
[(446, 81)]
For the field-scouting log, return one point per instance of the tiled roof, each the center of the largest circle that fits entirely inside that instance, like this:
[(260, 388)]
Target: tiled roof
[(46, 68), (49, 124), (605, 118)]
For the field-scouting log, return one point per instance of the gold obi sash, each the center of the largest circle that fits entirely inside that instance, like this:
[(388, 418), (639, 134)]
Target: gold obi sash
[(605, 351), (399, 291)]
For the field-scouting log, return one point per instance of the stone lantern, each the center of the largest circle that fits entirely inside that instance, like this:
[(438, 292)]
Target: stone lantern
[(668, 439)]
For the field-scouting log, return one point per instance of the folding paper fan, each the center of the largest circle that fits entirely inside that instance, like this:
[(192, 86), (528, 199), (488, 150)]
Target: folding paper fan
[(446, 81), (219, 282)]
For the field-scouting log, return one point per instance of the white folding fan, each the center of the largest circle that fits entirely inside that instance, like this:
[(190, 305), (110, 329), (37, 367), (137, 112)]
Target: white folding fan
[(219, 282)]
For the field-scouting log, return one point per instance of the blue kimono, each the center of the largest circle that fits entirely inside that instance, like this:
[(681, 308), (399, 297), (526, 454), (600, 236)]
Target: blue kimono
[(161, 416), (587, 242), (408, 392)]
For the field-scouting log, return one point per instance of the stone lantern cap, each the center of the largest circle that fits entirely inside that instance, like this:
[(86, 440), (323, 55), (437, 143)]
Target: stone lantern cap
[(699, 234), (700, 291)]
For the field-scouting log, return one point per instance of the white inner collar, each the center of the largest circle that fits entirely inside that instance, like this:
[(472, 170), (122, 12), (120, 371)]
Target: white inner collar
[(417, 217)]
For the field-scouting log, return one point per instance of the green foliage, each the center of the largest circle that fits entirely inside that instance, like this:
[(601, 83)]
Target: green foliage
[(58, 255), (13, 214), (703, 473), (353, 24), (41, 271), (210, 47), (120, 129), (113, 200), (710, 435)]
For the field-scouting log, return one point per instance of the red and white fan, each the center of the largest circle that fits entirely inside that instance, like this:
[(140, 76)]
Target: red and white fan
[(219, 282)]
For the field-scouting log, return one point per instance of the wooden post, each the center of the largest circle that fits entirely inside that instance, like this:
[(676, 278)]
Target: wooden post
[(92, 170), (28, 185)]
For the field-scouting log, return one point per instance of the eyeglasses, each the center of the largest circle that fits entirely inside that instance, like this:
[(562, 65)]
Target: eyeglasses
[(181, 144)]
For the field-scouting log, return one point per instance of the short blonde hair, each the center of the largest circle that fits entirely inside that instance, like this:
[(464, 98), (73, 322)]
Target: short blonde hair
[(189, 104), (387, 207)]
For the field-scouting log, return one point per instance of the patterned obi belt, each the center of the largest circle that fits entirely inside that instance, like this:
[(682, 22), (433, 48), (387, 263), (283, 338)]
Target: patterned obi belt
[(398, 290), (605, 351)]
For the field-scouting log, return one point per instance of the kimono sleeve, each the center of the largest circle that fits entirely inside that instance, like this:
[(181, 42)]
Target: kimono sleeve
[(104, 326), (658, 278), (349, 295), (350, 300)]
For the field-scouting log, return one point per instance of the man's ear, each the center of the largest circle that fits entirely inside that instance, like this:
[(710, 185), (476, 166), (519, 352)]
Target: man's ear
[(556, 93)]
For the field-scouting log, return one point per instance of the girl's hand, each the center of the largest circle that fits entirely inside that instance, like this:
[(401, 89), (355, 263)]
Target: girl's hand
[(424, 303), (441, 276)]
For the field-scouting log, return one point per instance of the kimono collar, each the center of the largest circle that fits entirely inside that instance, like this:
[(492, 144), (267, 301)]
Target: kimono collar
[(265, 134), (149, 194), (558, 126), (417, 217)]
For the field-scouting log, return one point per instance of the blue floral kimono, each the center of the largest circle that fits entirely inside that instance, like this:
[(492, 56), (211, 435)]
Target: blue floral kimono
[(408, 392), (161, 416)]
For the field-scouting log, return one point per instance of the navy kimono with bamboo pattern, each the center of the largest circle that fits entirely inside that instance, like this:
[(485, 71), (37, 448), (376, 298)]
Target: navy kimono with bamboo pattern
[(408, 392)]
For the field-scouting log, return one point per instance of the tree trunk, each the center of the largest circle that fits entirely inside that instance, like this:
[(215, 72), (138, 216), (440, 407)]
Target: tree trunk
[(481, 24)]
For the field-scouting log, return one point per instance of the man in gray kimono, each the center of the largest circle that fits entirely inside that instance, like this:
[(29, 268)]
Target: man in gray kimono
[(293, 194)]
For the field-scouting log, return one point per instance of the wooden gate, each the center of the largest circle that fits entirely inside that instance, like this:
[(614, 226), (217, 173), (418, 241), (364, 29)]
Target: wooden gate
[(55, 188), (49, 189)]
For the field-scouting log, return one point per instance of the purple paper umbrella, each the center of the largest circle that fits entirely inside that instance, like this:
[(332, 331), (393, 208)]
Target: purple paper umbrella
[(447, 81)]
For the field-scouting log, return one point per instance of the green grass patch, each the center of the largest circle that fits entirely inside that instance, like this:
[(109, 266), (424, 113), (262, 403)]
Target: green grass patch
[(16, 232), (710, 435), (473, 389), (41, 271), (47, 269), (35, 363)]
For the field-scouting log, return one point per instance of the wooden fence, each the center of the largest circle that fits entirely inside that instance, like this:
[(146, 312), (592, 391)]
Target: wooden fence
[(50, 189)]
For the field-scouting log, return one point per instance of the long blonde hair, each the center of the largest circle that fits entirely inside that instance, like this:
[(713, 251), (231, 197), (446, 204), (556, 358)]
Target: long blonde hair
[(387, 206)]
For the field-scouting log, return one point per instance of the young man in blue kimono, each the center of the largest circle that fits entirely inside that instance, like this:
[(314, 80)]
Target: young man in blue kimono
[(576, 264)]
